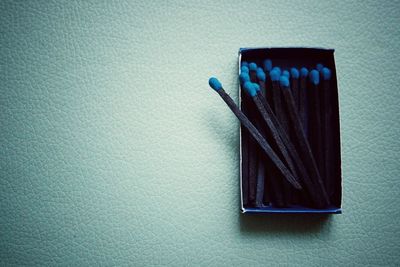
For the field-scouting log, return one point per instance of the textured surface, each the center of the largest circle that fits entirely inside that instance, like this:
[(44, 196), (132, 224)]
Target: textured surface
[(115, 151)]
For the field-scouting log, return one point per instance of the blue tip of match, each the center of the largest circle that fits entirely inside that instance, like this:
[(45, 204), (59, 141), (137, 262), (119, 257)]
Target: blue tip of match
[(304, 72), (261, 75), (253, 66), (267, 65), (244, 77), (277, 69), (244, 63), (244, 69), (256, 86), (319, 66), (286, 73), (314, 77), (215, 84), (250, 89), (295, 73), (274, 74), (326, 74), (284, 81)]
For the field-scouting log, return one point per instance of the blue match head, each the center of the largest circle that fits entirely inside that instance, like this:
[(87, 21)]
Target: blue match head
[(314, 77), (244, 63), (256, 86), (304, 72), (267, 65), (286, 73), (284, 81), (244, 77), (253, 66), (274, 74), (215, 84), (244, 69), (319, 67), (250, 89), (261, 75), (278, 70), (295, 73), (326, 74)]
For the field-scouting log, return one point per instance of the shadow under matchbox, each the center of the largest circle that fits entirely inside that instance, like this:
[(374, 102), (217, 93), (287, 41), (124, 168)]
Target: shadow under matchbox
[(290, 96)]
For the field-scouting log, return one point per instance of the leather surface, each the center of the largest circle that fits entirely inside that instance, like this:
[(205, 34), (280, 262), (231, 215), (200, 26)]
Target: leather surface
[(114, 151)]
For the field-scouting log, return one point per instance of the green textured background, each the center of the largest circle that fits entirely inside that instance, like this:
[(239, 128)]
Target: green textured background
[(114, 151)]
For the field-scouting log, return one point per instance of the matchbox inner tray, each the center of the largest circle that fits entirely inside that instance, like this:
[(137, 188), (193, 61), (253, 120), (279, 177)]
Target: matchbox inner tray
[(285, 59)]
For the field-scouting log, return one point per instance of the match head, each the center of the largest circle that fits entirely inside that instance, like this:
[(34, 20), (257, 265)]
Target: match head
[(284, 81), (319, 67), (253, 66), (274, 74), (250, 89), (244, 69), (267, 65), (244, 63), (215, 84), (261, 75), (304, 72), (286, 73), (326, 74), (295, 73), (244, 77), (256, 86), (314, 77), (278, 70)]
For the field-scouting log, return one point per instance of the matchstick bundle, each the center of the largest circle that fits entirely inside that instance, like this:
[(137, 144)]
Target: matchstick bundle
[(287, 147)]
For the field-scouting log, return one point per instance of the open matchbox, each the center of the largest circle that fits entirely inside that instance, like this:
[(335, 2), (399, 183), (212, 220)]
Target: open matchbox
[(287, 58)]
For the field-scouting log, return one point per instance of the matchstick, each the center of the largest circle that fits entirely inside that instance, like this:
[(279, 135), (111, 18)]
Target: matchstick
[(250, 152), (327, 131), (303, 99), (216, 85), (315, 122), (302, 142), (294, 78)]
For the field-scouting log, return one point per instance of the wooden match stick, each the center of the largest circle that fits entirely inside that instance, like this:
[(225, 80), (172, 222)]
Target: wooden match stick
[(280, 113), (302, 142), (294, 76), (216, 85), (303, 99), (315, 122), (327, 131)]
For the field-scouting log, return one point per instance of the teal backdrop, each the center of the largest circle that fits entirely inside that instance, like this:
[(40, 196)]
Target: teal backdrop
[(114, 150)]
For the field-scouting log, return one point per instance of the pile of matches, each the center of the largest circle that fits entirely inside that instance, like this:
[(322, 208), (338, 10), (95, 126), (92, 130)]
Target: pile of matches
[(287, 140)]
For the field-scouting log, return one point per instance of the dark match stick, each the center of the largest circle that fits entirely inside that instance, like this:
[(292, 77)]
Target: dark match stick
[(280, 113), (294, 75), (302, 141), (303, 99), (261, 163), (267, 65), (243, 77), (216, 85), (315, 122), (327, 131), (251, 161)]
